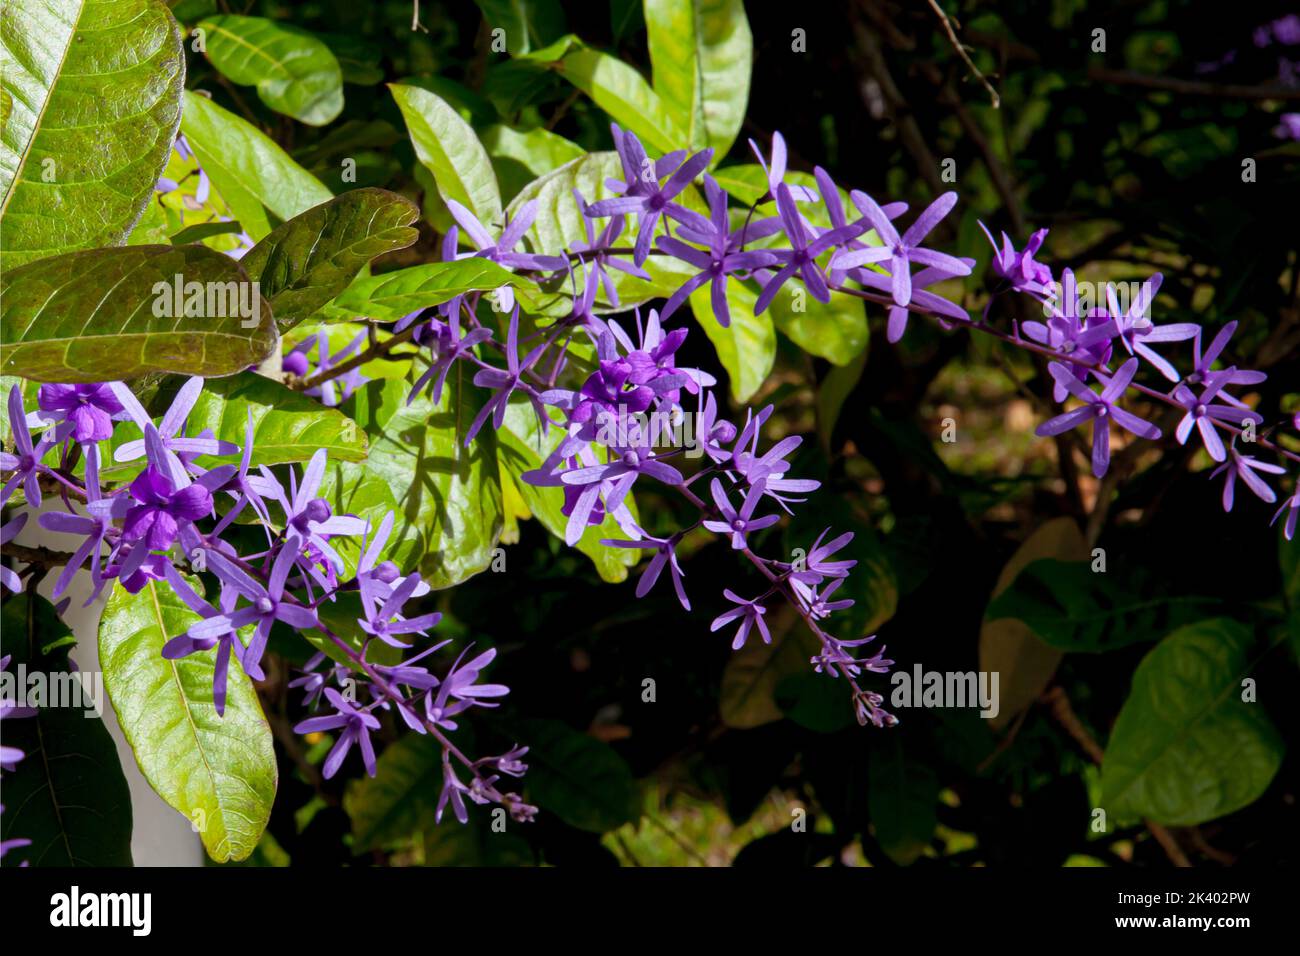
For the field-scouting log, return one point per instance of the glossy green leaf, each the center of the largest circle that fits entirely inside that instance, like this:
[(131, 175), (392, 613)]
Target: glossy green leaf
[(391, 295), (702, 54), (578, 778), (218, 772), (295, 73), (523, 447), (67, 795), (307, 261), (622, 92), (400, 798), (90, 316), (835, 330), (92, 93), (519, 157), (254, 176), (528, 24), (446, 497), (747, 347), (1186, 747), (449, 148), (1072, 607)]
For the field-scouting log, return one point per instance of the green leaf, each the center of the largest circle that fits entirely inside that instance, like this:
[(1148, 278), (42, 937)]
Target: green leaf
[(307, 261), (835, 330), (1072, 607), (702, 55), (747, 347), (519, 157), (528, 24), (1186, 747), (523, 447), (203, 230), (833, 391), (447, 146), (92, 100), (394, 294), (902, 800), (623, 93), (219, 772), (400, 798), (295, 72), (68, 795), (578, 778), (446, 497), (251, 173), (90, 316)]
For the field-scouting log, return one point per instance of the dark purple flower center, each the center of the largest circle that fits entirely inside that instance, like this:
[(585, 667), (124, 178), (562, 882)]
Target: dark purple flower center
[(631, 459), (1200, 411), (265, 605)]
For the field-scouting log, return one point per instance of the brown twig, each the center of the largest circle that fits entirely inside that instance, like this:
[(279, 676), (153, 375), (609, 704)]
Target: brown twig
[(948, 24)]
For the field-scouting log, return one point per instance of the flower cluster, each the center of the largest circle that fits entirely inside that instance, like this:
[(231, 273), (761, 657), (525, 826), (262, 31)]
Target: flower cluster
[(1096, 350), (172, 516)]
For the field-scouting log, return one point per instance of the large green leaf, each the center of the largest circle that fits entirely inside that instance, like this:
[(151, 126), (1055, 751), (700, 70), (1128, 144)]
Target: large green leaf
[(90, 316), (446, 497), (447, 146), (394, 294), (578, 778), (1186, 748), (523, 447), (92, 92), (253, 175), (702, 53), (519, 157), (68, 795), (528, 24), (1072, 607), (219, 772), (622, 92), (747, 346), (295, 73), (747, 697), (310, 259)]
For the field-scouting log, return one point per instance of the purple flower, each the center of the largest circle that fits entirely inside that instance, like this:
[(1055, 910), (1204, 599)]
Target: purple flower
[(749, 613), (26, 464), (1245, 466), (453, 792), (630, 462), (1137, 332), (85, 410), (334, 390), (771, 467), (1203, 413), (641, 192), (162, 509), (170, 429), (505, 381), (220, 634), (500, 250), (1019, 268), (664, 555), (448, 345), (738, 523), (268, 604), (594, 252), (356, 726), (1291, 507), (95, 527), (1201, 363), (309, 518), (8, 578), (1100, 409), (902, 251), (460, 690), (835, 659), (802, 255), (722, 254), (775, 170), (386, 622)]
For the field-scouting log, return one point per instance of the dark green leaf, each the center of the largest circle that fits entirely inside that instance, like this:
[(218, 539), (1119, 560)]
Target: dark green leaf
[(91, 316), (295, 73), (310, 259), (67, 795), (902, 798), (1186, 747), (578, 778)]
